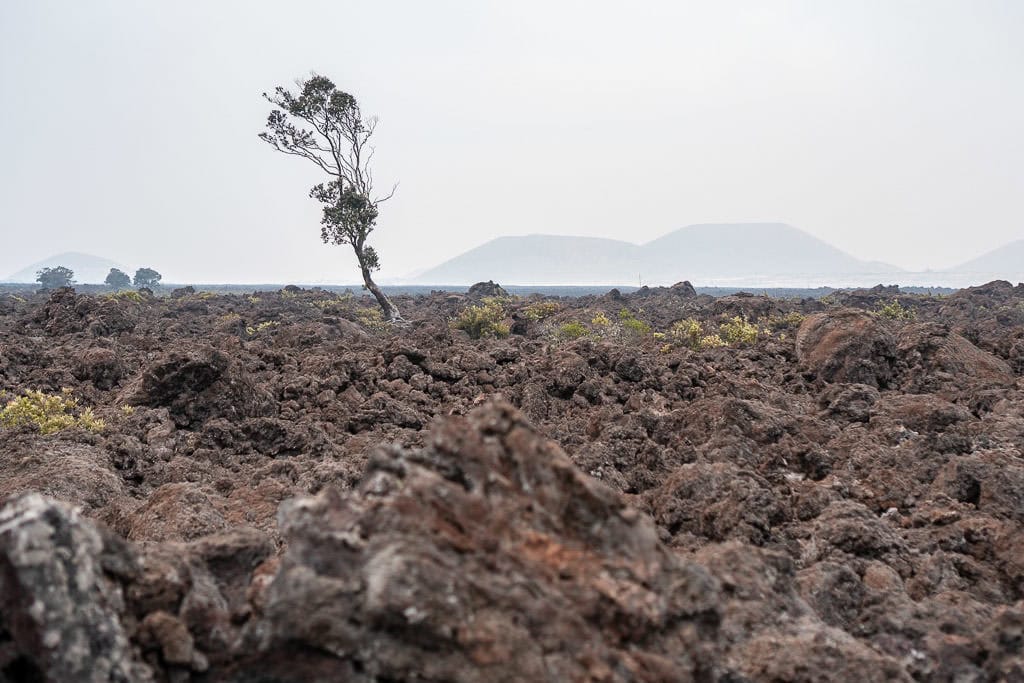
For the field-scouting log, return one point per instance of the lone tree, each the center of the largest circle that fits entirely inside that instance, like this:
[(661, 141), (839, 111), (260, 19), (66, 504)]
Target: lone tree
[(54, 278), (324, 125), (147, 277), (117, 278)]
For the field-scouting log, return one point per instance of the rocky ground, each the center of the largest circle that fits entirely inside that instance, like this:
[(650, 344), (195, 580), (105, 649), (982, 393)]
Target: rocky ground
[(284, 489)]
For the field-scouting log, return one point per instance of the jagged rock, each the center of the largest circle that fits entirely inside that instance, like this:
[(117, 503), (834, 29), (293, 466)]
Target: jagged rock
[(197, 384), (480, 558), (483, 289), (100, 366), (847, 346), (57, 604)]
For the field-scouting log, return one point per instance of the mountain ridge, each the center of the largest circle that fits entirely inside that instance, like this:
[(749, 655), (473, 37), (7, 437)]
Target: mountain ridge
[(719, 251)]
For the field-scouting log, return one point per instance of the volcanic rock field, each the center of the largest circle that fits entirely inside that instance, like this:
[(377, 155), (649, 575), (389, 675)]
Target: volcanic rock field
[(278, 487)]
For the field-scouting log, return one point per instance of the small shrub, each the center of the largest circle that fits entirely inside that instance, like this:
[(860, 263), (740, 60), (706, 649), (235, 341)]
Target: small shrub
[(542, 309), (711, 341), (791, 320), (600, 320), (572, 330), (372, 319), (686, 332), (124, 295), (632, 324), (49, 413), (127, 410), (484, 320), (253, 330), (737, 331), (895, 311)]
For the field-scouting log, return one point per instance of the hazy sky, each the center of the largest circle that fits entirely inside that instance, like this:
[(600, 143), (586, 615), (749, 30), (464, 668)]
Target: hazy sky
[(893, 129)]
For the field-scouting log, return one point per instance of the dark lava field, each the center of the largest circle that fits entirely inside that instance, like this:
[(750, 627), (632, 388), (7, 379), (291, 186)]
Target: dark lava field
[(656, 486)]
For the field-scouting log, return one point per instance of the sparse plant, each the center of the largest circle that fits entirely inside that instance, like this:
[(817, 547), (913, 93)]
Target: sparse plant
[(632, 324), (484, 320), (600, 320), (542, 309), (737, 331), (253, 330), (372, 319), (573, 329), (894, 310), (124, 295), (790, 320), (127, 410), (686, 332), (49, 413), (711, 341)]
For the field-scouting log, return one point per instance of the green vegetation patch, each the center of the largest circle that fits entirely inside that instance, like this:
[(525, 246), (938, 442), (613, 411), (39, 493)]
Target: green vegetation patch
[(630, 323), (484, 320), (542, 309), (894, 310), (573, 329), (738, 331), (49, 413)]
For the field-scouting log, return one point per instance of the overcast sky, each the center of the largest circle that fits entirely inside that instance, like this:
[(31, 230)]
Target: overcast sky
[(893, 129)]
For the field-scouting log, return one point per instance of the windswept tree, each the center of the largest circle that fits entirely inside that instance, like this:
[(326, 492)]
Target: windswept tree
[(118, 279), (54, 278), (148, 278), (324, 125)]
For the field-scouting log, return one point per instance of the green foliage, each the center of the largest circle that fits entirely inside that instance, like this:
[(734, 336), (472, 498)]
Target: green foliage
[(895, 311), (372, 319), (600, 320), (126, 295), (737, 331), (542, 309), (148, 278), (48, 413), (325, 126), (632, 324), (572, 330), (687, 333), (55, 278), (711, 341), (118, 279), (484, 320), (253, 330), (789, 321)]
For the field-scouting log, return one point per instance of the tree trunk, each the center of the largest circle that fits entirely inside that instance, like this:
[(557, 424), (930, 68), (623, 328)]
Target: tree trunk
[(390, 310)]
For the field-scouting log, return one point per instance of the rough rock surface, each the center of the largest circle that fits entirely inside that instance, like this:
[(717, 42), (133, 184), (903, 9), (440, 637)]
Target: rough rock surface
[(59, 611), (840, 500)]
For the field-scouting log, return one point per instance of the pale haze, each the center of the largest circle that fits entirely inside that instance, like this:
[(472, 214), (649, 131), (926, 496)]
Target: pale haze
[(892, 130)]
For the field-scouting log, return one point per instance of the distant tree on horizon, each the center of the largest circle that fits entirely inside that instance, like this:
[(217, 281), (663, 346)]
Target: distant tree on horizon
[(54, 278), (148, 278), (338, 145), (118, 279)]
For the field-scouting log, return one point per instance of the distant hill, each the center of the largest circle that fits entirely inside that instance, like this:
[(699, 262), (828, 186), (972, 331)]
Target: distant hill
[(1006, 262), (541, 259), (88, 269), (707, 252)]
